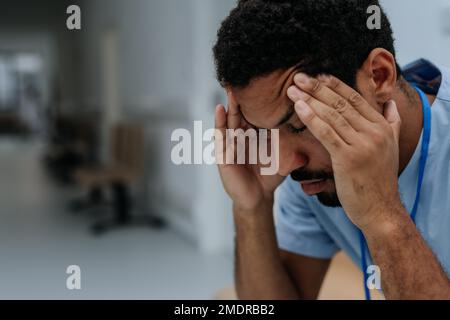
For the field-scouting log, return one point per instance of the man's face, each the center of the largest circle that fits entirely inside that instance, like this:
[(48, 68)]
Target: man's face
[(265, 104)]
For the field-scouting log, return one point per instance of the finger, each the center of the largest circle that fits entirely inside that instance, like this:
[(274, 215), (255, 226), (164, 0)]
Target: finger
[(324, 94), (319, 128), (331, 116), (392, 116), (220, 134), (234, 114), (221, 118), (352, 96)]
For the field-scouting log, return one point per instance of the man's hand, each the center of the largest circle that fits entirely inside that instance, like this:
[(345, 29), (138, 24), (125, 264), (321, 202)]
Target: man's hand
[(248, 189), (363, 144)]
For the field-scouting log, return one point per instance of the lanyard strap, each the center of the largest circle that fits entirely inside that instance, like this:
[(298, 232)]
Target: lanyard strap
[(426, 109), (425, 146)]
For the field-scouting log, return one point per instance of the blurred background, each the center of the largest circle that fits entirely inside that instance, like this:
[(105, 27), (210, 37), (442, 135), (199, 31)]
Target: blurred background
[(86, 118)]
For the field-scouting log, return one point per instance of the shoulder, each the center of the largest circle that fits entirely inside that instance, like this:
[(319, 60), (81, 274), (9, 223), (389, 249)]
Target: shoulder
[(290, 199), (291, 189)]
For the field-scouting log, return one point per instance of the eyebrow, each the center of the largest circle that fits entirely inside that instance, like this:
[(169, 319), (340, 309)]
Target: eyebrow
[(290, 112)]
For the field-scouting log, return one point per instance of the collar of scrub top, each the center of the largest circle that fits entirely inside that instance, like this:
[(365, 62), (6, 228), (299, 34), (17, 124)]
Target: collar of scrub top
[(426, 109)]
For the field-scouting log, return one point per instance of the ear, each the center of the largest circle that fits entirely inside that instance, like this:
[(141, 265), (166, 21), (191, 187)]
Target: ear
[(380, 72)]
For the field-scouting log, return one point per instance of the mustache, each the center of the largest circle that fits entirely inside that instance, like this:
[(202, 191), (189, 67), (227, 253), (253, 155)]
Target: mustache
[(305, 175)]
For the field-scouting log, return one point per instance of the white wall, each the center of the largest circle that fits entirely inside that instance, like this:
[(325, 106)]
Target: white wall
[(212, 208), (418, 29), (155, 41), (167, 80)]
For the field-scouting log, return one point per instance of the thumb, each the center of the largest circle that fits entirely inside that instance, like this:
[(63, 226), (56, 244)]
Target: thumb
[(392, 116), (220, 134)]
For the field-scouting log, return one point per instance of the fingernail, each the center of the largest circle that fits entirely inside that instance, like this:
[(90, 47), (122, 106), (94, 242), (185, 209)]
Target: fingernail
[(324, 78), (292, 93), (295, 94), (301, 78)]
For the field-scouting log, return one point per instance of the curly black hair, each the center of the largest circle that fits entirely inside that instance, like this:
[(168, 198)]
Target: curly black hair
[(318, 36)]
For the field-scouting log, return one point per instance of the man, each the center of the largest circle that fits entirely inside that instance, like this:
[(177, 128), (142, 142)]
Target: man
[(350, 127)]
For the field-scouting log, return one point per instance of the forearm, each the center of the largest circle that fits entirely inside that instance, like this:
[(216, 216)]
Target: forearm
[(409, 269), (259, 272)]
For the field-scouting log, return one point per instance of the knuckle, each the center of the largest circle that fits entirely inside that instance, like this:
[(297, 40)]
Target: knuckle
[(340, 105), (355, 98), (333, 117), (342, 124), (378, 138), (315, 85), (333, 83), (334, 142), (326, 132), (306, 97)]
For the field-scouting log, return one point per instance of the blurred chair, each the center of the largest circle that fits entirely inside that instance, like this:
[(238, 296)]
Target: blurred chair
[(72, 144), (123, 170)]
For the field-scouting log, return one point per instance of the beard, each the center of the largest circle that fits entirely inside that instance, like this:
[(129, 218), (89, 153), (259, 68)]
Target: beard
[(328, 199)]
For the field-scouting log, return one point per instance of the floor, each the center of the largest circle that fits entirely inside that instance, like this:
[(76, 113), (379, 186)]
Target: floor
[(40, 238)]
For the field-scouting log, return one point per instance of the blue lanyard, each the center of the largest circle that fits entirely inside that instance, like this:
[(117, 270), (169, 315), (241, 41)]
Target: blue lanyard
[(426, 108)]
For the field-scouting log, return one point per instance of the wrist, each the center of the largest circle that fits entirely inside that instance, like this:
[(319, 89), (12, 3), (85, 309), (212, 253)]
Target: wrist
[(262, 208), (256, 223), (247, 208), (386, 221)]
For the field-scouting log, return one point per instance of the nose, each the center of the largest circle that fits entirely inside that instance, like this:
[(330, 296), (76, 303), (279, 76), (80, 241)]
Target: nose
[(290, 162)]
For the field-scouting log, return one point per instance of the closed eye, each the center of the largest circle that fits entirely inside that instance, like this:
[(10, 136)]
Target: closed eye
[(296, 130)]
